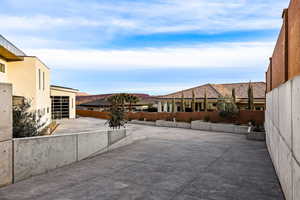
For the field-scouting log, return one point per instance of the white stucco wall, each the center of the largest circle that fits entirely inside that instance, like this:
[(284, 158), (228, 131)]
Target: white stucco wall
[(24, 76), (283, 135)]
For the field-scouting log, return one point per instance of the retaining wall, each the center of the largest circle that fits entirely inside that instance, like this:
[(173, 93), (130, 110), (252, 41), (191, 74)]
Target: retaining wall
[(36, 155), (283, 135), (5, 134)]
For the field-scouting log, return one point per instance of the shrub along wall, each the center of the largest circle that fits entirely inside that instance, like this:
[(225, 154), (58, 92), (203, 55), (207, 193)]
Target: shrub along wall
[(243, 118)]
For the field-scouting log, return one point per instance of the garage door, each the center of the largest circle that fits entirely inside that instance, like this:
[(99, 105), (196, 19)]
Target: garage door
[(60, 107)]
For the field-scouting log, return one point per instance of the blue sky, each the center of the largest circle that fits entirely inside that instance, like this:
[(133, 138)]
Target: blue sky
[(148, 46)]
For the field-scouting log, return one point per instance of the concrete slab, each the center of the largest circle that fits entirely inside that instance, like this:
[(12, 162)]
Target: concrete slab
[(5, 163), (285, 169), (183, 125), (227, 128), (200, 125), (296, 116), (296, 180), (164, 123), (116, 135), (275, 106), (38, 155), (170, 164), (89, 144), (285, 110), (5, 111)]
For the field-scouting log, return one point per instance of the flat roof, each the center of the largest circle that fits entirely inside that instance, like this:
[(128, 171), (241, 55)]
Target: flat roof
[(63, 88)]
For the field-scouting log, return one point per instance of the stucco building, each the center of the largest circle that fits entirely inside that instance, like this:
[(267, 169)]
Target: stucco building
[(30, 79), (213, 93)]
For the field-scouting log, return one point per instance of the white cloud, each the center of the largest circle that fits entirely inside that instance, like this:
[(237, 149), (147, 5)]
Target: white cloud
[(161, 16), (251, 54)]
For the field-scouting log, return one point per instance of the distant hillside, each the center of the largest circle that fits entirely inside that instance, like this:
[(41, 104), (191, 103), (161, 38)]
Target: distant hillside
[(82, 94), (89, 98)]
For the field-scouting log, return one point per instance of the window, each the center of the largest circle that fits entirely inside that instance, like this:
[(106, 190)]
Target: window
[(72, 103), (2, 68), (48, 110), (39, 79), (43, 80)]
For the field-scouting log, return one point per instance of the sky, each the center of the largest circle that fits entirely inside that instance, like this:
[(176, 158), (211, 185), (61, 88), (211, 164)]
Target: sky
[(145, 46)]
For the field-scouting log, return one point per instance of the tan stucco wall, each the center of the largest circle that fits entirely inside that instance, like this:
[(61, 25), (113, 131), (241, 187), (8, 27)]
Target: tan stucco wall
[(24, 75), (3, 76), (71, 94)]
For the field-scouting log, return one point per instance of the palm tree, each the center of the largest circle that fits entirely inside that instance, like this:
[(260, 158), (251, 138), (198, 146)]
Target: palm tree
[(132, 99), (123, 97), (114, 100)]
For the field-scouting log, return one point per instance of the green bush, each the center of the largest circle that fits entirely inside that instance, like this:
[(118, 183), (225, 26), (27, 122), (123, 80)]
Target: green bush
[(227, 108), (25, 122), (206, 118), (117, 118)]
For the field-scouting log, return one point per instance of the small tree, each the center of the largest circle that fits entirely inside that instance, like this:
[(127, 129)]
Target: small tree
[(117, 118), (182, 102), (25, 122), (205, 101), (250, 97), (193, 101), (227, 108)]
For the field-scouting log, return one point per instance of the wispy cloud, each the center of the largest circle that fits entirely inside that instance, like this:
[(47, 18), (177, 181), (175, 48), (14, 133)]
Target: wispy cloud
[(150, 17), (208, 55)]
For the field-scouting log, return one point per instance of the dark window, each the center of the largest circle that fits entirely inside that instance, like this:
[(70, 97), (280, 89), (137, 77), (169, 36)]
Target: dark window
[(43, 80), (39, 79), (2, 68)]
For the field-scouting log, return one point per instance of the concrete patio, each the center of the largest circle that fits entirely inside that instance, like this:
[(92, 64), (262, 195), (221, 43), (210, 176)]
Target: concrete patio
[(172, 164)]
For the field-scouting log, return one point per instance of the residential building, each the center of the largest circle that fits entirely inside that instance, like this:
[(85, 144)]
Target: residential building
[(30, 79), (213, 93), (63, 102)]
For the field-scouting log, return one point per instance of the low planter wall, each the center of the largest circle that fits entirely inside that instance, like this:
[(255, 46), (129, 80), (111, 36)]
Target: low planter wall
[(143, 122), (163, 123), (219, 127), (36, 155)]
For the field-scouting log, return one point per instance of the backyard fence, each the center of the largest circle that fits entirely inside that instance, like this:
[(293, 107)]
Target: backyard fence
[(244, 116), (285, 63)]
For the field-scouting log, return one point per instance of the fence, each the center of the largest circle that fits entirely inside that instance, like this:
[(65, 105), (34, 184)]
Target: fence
[(243, 117), (285, 63)]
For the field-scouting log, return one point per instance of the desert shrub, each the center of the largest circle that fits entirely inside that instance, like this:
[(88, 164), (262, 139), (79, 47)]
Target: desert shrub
[(227, 108), (206, 118), (26, 123), (117, 118)]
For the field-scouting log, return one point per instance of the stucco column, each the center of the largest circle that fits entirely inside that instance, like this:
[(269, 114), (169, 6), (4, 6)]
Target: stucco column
[(159, 107), (165, 107), (170, 107), (5, 134), (175, 109)]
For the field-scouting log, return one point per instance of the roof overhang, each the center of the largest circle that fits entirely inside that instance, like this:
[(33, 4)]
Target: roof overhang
[(9, 56), (63, 89)]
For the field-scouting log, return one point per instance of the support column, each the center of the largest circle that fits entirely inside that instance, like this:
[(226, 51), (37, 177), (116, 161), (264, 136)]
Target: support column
[(159, 107), (165, 109), (5, 134)]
